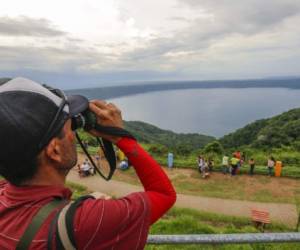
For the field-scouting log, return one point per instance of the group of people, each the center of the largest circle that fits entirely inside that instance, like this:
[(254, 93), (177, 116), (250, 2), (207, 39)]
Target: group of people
[(205, 166), (85, 169), (232, 165)]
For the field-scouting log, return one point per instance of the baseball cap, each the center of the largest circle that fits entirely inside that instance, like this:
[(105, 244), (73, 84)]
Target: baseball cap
[(31, 115)]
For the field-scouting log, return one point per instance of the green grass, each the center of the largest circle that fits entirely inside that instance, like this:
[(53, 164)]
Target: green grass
[(242, 187), (286, 246), (188, 221), (92, 150), (77, 189)]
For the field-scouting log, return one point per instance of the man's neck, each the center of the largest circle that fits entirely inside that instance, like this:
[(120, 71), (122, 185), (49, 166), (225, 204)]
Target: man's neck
[(47, 176)]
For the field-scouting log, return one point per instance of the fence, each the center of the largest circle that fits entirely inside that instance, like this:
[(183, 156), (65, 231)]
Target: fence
[(215, 239)]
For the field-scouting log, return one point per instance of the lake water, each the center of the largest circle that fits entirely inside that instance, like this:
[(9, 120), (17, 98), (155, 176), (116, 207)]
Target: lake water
[(213, 112)]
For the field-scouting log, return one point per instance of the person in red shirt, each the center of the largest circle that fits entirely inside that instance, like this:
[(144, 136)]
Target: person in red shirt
[(38, 150)]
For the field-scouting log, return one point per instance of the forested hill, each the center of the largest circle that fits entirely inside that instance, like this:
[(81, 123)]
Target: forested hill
[(148, 133), (274, 132)]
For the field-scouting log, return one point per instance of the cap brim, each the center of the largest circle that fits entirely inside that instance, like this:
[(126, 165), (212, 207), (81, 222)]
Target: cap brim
[(77, 104)]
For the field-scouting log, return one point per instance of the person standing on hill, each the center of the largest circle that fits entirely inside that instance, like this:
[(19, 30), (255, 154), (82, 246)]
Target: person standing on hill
[(234, 164), (36, 125), (278, 168), (252, 166), (225, 164), (204, 168), (210, 164), (238, 154), (200, 163), (170, 160), (270, 165)]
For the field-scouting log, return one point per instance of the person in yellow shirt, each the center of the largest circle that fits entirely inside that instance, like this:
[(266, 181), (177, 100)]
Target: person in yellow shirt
[(120, 155), (234, 161)]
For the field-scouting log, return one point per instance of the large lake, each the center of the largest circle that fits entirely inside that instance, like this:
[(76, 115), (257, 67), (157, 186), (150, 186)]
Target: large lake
[(213, 112)]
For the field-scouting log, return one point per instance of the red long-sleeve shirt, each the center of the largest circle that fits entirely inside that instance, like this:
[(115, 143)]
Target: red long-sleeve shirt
[(98, 224), (156, 183)]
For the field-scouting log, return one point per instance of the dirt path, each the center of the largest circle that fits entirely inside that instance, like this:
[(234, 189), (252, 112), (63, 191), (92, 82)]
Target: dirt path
[(282, 213)]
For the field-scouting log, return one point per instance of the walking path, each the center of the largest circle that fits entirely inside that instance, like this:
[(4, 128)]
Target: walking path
[(279, 212)]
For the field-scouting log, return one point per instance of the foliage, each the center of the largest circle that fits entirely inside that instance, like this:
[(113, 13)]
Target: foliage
[(214, 147), (86, 137), (147, 133), (278, 131), (157, 149)]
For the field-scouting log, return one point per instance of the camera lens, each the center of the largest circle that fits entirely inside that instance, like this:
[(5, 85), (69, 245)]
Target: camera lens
[(78, 121)]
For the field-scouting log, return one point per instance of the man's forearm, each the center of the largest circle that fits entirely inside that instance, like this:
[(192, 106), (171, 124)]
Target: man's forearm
[(156, 183)]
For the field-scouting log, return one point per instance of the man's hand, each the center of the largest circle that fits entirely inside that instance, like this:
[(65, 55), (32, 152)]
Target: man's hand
[(107, 115)]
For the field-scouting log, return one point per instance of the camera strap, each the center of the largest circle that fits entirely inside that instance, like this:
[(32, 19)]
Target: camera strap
[(107, 148), (113, 131)]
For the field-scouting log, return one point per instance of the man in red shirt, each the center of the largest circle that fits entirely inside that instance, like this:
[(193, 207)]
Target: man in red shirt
[(38, 150)]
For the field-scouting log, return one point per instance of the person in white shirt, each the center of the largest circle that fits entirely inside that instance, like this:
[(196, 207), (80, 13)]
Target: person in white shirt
[(85, 168), (225, 164)]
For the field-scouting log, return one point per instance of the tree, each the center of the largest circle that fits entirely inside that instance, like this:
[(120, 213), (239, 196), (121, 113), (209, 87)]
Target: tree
[(214, 147)]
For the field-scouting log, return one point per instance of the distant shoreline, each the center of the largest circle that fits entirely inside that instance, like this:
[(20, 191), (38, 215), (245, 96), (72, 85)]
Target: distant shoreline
[(128, 90)]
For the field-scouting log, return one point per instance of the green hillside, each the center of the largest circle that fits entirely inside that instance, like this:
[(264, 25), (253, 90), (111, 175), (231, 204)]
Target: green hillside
[(275, 132), (148, 133)]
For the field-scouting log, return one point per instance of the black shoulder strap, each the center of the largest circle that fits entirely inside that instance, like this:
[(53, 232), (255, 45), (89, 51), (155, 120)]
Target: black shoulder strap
[(64, 233), (36, 223)]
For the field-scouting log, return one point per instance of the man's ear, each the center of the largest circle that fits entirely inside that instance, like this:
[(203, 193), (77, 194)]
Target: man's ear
[(53, 150)]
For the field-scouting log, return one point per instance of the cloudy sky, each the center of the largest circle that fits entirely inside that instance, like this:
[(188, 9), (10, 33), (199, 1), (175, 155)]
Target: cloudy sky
[(79, 43)]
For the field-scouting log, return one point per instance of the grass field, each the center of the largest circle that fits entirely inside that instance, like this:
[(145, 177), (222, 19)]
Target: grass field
[(243, 187), (187, 221)]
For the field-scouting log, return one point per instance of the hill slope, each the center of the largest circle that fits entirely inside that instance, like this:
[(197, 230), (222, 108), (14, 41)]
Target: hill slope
[(148, 133), (283, 129)]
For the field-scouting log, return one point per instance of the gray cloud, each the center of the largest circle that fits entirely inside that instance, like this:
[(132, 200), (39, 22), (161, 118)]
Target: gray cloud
[(247, 16), (25, 26), (228, 18), (255, 38), (48, 58), (180, 19)]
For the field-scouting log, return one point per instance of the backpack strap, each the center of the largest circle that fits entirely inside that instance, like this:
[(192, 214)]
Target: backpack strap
[(62, 236), (64, 233), (36, 223)]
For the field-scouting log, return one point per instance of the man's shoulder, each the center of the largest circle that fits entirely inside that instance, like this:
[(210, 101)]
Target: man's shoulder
[(3, 183)]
